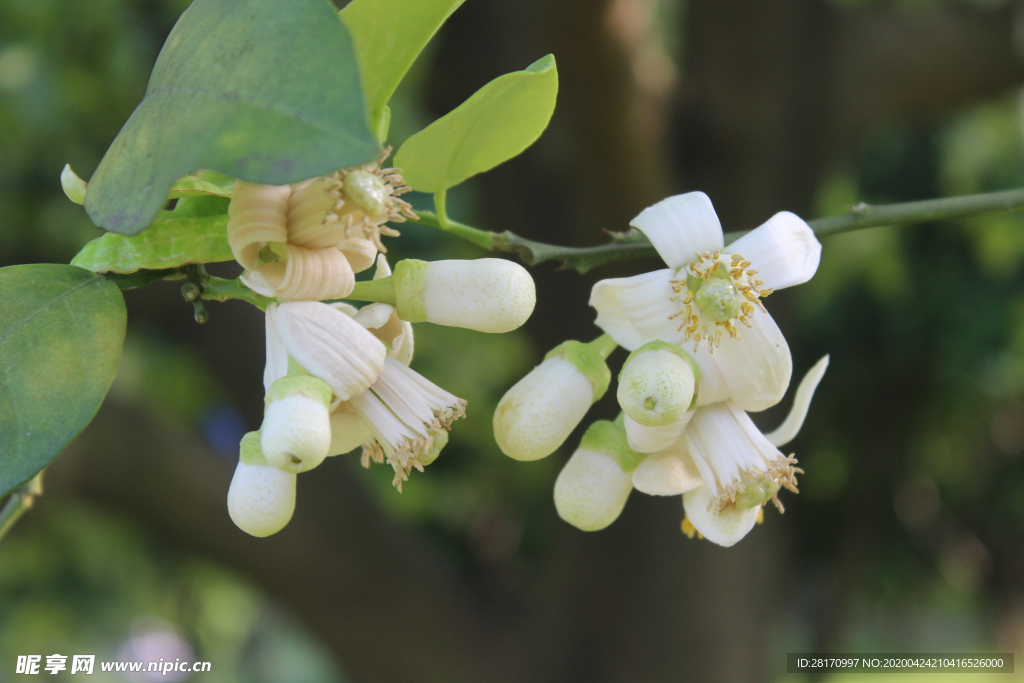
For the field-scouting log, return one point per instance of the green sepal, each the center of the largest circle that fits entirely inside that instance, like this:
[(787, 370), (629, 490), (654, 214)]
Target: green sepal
[(588, 361), (307, 385), (608, 438), (410, 278), (658, 345), (250, 452)]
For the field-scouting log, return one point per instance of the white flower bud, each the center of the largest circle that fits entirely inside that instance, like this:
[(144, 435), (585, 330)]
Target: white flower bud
[(261, 498), (296, 433), (537, 415), (592, 488), (656, 386), (487, 295)]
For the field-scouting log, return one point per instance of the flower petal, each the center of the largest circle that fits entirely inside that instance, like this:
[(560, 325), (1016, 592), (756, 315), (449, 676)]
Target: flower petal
[(668, 473), (756, 367), (724, 442), (639, 309), (347, 430), (790, 427), (784, 250), (725, 528), (643, 439), (681, 225), (277, 355), (330, 345)]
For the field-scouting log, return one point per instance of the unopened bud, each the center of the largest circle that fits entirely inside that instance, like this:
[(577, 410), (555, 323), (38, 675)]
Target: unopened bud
[(261, 498), (487, 295), (593, 487), (296, 432), (657, 384), (537, 415)]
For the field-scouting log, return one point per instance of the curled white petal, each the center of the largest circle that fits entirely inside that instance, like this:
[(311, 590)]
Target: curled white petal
[(644, 439), (790, 427), (784, 250), (296, 433), (257, 216), (331, 346), (359, 252), (537, 415), (591, 490), (488, 295), (639, 309), (74, 187), (668, 473), (306, 275), (261, 499), (725, 528), (681, 225)]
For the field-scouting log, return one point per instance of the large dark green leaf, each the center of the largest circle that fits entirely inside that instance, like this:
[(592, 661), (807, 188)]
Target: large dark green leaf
[(263, 90), (389, 34), (61, 332)]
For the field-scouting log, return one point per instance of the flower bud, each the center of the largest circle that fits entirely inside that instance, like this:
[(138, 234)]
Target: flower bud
[(261, 498), (296, 432), (74, 187), (537, 415), (487, 295), (657, 384), (593, 487)]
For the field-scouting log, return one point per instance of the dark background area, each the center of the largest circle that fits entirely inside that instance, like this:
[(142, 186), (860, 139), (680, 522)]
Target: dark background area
[(908, 534)]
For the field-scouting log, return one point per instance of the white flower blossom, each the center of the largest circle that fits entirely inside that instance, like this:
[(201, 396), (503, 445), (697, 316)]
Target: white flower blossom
[(725, 468), (306, 241), (710, 295)]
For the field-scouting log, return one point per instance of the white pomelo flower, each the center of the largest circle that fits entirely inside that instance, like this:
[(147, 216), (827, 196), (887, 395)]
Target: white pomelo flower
[(261, 498), (725, 468), (592, 488), (306, 240), (711, 295), (539, 412)]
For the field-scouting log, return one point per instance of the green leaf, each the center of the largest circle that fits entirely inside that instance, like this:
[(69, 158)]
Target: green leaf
[(389, 35), (61, 332), (263, 90), (169, 242), (497, 123)]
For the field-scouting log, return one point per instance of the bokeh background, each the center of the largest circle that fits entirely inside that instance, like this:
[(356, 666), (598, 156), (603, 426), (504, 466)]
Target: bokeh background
[(908, 534)]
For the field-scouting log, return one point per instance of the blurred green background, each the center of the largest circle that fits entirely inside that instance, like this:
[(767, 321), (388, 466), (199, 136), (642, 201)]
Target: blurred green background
[(908, 534)]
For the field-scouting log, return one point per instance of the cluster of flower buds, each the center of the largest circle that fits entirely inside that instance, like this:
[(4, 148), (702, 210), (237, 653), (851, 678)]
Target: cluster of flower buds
[(338, 376), (704, 351)]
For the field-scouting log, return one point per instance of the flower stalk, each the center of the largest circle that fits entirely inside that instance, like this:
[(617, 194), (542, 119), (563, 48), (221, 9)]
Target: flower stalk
[(21, 501)]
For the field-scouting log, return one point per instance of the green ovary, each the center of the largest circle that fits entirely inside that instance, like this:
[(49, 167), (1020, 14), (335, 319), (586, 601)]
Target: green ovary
[(717, 300)]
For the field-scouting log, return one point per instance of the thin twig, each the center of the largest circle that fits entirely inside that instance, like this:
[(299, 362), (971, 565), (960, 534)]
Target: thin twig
[(634, 244)]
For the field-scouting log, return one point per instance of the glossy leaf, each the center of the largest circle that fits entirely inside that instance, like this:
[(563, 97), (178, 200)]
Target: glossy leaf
[(389, 35), (61, 332), (263, 90), (497, 123), (169, 242)]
